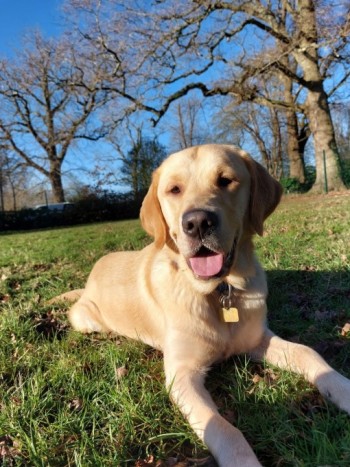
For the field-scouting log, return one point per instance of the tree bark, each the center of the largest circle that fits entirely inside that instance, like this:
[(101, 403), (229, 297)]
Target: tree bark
[(316, 106), (296, 163), (56, 184), (276, 159), (295, 158), (321, 126)]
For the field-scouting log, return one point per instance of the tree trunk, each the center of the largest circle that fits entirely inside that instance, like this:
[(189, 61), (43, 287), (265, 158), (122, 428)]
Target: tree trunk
[(266, 157), (276, 159), (295, 158), (317, 108), (56, 184), (321, 126), (14, 198)]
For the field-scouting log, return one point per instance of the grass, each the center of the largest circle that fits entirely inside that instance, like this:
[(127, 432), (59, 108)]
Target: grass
[(73, 400)]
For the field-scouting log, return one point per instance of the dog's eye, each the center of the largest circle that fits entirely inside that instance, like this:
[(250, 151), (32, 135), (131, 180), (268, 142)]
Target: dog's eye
[(224, 182), (175, 190)]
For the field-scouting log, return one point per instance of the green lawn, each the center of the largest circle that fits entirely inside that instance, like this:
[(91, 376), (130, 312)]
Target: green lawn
[(73, 400)]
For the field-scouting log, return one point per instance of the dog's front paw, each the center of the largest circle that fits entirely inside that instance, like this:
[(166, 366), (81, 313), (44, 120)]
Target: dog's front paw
[(336, 388)]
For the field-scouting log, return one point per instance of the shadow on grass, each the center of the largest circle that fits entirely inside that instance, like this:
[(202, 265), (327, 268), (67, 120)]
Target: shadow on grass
[(284, 419), (312, 307)]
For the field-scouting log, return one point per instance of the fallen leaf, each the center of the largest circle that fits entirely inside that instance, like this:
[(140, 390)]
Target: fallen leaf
[(256, 379), (8, 449), (145, 462), (76, 404), (121, 372), (345, 329), (308, 268), (270, 375)]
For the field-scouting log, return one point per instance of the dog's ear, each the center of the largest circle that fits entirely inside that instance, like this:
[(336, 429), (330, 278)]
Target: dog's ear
[(151, 215), (265, 194)]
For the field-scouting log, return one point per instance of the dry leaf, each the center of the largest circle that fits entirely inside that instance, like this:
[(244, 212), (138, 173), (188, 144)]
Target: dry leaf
[(145, 462), (121, 372), (76, 404), (8, 449), (256, 379), (270, 375), (345, 329)]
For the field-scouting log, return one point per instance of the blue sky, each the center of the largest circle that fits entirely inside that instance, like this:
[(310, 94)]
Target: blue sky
[(17, 16)]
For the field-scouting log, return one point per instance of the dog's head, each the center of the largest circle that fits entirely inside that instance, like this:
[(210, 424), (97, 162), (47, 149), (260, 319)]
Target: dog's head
[(203, 201)]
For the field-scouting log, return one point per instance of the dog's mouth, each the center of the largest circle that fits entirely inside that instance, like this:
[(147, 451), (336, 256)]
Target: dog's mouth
[(207, 264)]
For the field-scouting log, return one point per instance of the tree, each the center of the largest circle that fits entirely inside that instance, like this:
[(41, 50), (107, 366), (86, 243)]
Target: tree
[(297, 129), (186, 124), (342, 129), (48, 100), (258, 124), (223, 48), (137, 164), (11, 172), (280, 135)]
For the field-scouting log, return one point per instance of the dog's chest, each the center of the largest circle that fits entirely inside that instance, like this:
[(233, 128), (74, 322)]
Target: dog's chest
[(219, 338)]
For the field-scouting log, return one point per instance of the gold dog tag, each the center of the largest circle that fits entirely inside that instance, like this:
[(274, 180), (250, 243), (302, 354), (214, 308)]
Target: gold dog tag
[(229, 315)]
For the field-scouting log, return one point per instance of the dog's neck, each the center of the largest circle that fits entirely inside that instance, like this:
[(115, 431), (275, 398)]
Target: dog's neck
[(226, 292)]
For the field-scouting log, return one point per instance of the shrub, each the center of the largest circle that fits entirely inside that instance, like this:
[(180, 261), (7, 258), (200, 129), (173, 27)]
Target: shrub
[(292, 185), (94, 207), (345, 171)]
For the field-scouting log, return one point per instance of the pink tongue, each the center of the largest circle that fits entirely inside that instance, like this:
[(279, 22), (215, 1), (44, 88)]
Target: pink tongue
[(207, 266)]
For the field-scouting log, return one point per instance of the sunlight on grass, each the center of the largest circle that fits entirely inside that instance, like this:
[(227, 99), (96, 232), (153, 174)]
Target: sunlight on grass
[(65, 402)]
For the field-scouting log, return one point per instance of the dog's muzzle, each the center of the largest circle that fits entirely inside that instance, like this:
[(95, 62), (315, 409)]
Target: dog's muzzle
[(208, 262)]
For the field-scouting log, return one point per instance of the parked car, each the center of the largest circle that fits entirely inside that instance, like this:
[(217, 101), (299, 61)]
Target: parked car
[(44, 215), (53, 207)]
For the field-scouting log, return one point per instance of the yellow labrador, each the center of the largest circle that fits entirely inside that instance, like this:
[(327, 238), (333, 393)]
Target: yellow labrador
[(198, 292)]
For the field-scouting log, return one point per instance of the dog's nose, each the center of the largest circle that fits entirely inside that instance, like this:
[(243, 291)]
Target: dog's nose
[(199, 222)]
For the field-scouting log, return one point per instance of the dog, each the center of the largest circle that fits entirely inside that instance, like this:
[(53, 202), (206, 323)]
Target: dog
[(198, 292)]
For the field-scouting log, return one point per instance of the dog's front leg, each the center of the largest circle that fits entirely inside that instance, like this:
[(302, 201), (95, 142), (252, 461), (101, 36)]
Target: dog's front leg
[(305, 361), (186, 386)]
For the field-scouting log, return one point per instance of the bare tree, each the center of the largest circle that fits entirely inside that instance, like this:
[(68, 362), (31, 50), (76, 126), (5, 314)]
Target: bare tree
[(15, 179), (222, 48), (279, 134), (48, 100), (262, 125), (187, 124), (12, 172)]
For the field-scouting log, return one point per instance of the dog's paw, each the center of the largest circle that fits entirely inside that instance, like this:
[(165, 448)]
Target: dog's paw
[(335, 388)]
